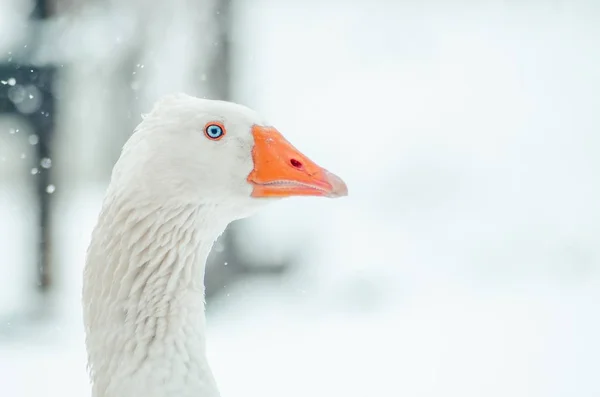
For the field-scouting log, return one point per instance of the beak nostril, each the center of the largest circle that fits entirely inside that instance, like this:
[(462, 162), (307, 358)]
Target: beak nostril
[(295, 163)]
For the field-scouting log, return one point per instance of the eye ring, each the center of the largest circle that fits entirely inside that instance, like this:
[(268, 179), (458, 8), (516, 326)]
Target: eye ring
[(214, 130)]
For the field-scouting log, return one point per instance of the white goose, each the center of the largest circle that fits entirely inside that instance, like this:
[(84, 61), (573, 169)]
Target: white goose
[(191, 167)]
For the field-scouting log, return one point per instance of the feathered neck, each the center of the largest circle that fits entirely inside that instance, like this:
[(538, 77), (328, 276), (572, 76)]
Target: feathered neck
[(143, 296)]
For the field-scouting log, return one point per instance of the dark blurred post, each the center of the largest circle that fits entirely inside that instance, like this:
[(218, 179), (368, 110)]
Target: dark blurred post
[(29, 95), (45, 118)]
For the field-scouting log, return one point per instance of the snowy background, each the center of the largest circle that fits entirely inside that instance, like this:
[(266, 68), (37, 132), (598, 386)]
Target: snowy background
[(466, 260)]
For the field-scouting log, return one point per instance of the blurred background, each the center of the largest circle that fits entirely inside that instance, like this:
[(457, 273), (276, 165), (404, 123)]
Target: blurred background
[(466, 260)]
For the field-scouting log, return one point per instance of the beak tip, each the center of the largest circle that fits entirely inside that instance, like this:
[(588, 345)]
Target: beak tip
[(338, 186)]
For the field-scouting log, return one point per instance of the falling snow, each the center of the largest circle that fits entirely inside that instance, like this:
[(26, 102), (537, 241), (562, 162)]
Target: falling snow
[(46, 162)]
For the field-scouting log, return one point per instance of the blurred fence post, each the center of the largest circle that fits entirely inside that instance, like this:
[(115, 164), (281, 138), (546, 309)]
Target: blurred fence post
[(27, 92)]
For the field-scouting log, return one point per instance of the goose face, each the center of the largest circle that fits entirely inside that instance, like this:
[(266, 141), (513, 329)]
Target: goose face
[(198, 149)]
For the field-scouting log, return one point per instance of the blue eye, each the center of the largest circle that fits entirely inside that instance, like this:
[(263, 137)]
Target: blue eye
[(214, 131)]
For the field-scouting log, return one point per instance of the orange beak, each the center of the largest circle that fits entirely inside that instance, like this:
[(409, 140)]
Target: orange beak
[(280, 170)]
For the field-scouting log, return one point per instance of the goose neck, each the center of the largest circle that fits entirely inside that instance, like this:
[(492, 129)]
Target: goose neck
[(144, 301)]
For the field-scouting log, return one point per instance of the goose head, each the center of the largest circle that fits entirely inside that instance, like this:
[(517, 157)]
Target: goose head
[(195, 150), (191, 167)]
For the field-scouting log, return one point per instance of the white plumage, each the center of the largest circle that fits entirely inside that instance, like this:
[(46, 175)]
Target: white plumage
[(172, 193)]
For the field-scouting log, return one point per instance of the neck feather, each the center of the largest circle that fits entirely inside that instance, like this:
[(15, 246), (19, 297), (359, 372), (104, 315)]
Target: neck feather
[(144, 300)]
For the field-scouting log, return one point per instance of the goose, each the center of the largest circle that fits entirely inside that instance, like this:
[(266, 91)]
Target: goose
[(190, 168)]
